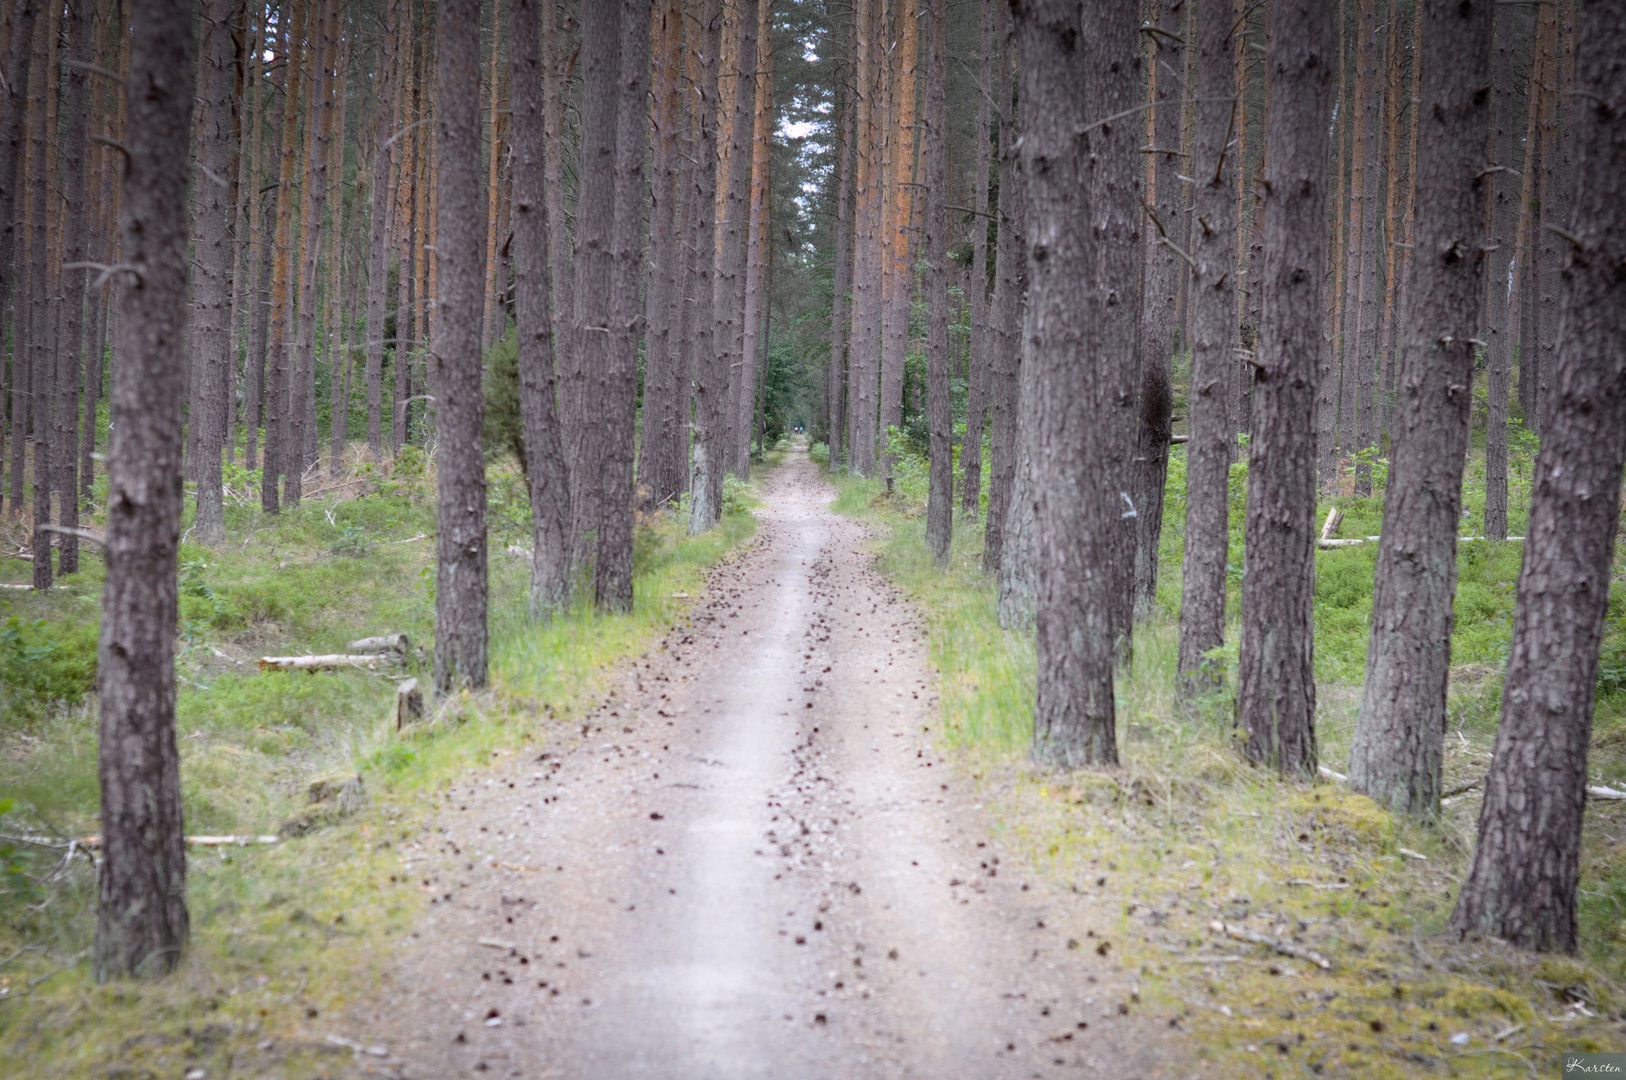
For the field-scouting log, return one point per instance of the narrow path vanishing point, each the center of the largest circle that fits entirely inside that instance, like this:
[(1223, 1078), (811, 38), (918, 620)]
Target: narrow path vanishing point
[(755, 864)]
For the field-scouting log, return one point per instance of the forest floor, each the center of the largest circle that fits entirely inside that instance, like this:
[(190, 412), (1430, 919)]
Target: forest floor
[(757, 863)]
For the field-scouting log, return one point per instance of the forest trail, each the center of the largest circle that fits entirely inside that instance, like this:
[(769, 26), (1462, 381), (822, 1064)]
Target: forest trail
[(755, 864)]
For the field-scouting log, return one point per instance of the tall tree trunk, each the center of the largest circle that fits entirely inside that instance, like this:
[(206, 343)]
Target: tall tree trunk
[(593, 337), (707, 363), (1399, 736), (1006, 318), (733, 230), (835, 372), (141, 919), (753, 334), (1327, 391), (319, 131), (1370, 285), (614, 412), (1522, 883), (41, 365), (335, 314), (378, 251), (661, 457), (70, 346), (211, 285), (1276, 684), (1067, 79), (897, 282), (257, 270), (976, 405), (1395, 106), (461, 555), (557, 65), (1214, 338), (863, 351), (940, 418), (1352, 348), (1499, 329), (494, 320), (546, 473), (1549, 200), (1159, 293), (280, 454), (19, 59)]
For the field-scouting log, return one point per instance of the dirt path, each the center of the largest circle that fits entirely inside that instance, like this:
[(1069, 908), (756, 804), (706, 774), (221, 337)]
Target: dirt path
[(754, 865)]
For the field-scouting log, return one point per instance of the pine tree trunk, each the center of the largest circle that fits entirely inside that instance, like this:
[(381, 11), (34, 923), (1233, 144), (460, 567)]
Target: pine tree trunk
[(1549, 199), (1073, 182), (378, 249), (546, 472), (141, 918), (211, 283), (1522, 883), (335, 315), (257, 268), (940, 418), (70, 346), (1351, 347), (753, 334), (661, 470), (557, 64), (976, 406), (863, 349), (319, 131), (41, 365), (841, 273), (461, 555), (1366, 359), (614, 412), (1006, 318), (1395, 106), (593, 337), (709, 367), (1399, 737), (280, 454), (1159, 295), (1214, 338), (734, 203), (19, 58), (1276, 684), (1327, 391)]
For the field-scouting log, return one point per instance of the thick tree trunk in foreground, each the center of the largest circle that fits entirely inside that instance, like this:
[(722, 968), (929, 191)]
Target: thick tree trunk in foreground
[(460, 581), (1066, 75), (1522, 882), (211, 323), (1276, 683), (546, 473), (710, 369), (940, 422), (141, 919), (1213, 338), (1399, 737), (976, 402)]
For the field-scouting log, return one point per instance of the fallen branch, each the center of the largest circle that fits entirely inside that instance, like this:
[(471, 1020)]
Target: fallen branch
[(83, 534), (408, 540), (1239, 934), (1328, 528), (1330, 775), (315, 663), (96, 841), (1595, 791), (1463, 789), (1317, 884)]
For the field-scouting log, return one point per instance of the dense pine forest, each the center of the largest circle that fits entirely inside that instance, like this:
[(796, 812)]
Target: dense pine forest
[(1191, 429)]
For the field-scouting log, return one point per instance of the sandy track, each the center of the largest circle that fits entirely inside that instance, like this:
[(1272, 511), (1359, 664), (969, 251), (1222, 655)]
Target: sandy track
[(755, 864)]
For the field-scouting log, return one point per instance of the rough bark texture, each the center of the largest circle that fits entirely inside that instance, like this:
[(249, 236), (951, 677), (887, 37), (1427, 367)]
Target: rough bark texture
[(841, 273), (1276, 683), (18, 60), (709, 366), (1213, 339), (733, 231), (1066, 75), (546, 474), (1399, 737), (460, 579), (1370, 285), (1158, 304), (661, 457), (1521, 885), (319, 133), (41, 369), (378, 248), (613, 408), (211, 283), (70, 345), (278, 456), (940, 496), (1499, 328), (898, 276), (754, 330), (141, 918), (976, 404), (1005, 323), (864, 348)]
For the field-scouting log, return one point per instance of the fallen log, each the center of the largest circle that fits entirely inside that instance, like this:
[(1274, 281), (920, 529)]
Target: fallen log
[(1239, 934), (316, 663), (386, 643)]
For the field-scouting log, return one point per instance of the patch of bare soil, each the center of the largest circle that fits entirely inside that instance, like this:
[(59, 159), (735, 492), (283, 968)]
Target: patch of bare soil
[(755, 864)]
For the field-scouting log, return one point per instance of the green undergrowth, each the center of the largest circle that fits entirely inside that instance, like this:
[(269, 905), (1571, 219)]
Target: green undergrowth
[(1183, 833), (285, 936)]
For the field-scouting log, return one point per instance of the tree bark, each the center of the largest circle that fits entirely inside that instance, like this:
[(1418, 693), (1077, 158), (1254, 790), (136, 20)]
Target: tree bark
[(1399, 736), (461, 556), (378, 250), (734, 174), (841, 273), (1351, 347), (141, 918), (1213, 340), (1366, 359), (1078, 173), (754, 336), (279, 453), (1523, 879), (1006, 318), (1158, 306), (661, 457), (898, 275), (70, 345), (19, 59), (976, 405), (40, 367), (940, 422), (211, 285), (546, 473), (864, 346), (335, 313), (1549, 198), (1276, 684), (709, 368)]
